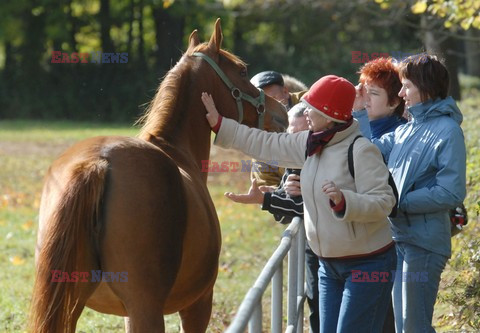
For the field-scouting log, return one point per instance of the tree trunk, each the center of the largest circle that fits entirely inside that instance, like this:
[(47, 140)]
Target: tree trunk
[(141, 40), (472, 51), (168, 36), (33, 47), (105, 25), (131, 18), (73, 26), (9, 61), (450, 48), (238, 40), (445, 47)]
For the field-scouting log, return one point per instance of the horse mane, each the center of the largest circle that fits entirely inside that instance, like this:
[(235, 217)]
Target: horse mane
[(160, 117)]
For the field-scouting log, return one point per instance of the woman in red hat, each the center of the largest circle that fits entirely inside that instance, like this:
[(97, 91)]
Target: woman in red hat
[(345, 218)]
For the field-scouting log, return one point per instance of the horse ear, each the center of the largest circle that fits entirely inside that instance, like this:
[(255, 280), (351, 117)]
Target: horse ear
[(217, 37), (193, 39)]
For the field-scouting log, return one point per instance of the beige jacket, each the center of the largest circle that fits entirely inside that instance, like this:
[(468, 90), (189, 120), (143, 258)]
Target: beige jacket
[(364, 228)]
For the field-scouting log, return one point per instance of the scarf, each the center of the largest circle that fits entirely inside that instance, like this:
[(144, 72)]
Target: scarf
[(317, 140)]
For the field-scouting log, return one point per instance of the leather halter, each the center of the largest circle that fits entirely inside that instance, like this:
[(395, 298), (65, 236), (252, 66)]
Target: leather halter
[(237, 94)]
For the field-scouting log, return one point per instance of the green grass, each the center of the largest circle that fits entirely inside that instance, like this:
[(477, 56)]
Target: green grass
[(40, 131), (249, 236), (458, 303)]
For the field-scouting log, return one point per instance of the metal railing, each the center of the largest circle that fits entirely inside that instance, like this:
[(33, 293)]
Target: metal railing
[(250, 311)]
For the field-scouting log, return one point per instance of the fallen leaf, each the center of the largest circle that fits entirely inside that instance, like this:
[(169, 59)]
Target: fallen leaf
[(17, 260), (27, 225)]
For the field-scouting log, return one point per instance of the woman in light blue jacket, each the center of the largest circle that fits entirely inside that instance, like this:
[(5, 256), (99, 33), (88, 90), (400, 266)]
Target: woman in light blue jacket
[(427, 159)]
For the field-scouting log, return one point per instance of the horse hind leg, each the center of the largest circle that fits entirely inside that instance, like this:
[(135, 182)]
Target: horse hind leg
[(196, 317), (145, 319), (143, 235), (150, 278), (85, 290), (144, 296)]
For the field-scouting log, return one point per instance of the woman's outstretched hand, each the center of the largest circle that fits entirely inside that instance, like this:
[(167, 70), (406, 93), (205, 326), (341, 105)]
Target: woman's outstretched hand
[(212, 113)]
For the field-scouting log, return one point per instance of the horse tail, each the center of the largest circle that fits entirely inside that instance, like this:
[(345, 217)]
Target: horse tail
[(69, 235)]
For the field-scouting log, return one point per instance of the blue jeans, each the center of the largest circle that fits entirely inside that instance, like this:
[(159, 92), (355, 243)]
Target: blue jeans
[(351, 301), (416, 287)]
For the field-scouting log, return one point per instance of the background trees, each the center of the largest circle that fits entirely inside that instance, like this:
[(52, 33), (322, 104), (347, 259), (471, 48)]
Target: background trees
[(304, 38)]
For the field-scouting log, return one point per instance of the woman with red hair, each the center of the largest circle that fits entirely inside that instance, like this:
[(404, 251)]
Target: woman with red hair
[(378, 94)]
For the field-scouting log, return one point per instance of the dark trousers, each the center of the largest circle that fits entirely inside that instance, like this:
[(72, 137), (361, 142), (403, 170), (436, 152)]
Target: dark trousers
[(389, 325), (311, 275)]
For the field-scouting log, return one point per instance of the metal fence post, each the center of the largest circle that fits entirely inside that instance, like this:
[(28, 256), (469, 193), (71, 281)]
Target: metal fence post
[(255, 322), (301, 277), (292, 283), (277, 299)]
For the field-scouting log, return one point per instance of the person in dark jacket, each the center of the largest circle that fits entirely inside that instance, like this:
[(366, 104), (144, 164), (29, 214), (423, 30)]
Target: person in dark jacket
[(427, 158)]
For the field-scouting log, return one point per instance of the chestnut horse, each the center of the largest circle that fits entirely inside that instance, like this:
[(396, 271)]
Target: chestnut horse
[(139, 208)]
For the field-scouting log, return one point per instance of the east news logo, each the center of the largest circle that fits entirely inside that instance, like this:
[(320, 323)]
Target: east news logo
[(59, 57), (96, 276)]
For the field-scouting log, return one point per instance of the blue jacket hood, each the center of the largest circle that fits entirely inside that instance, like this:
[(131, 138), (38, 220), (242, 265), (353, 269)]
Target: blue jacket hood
[(436, 108)]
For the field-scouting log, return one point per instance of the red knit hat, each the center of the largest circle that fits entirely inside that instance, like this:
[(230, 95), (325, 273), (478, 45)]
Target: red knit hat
[(333, 97)]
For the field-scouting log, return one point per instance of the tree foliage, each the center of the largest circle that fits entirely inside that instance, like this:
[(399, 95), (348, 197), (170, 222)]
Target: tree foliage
[(303, 38), (463, 13)]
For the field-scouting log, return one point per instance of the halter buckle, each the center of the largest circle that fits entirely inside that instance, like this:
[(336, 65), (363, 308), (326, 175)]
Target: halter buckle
[(261, 108), (236, 93)]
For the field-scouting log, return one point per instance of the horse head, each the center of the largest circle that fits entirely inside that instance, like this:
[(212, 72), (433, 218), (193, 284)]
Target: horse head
[(245, 103)]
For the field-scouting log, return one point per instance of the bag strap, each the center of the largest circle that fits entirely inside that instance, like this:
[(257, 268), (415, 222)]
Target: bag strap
[(351, 168), (391, 182)]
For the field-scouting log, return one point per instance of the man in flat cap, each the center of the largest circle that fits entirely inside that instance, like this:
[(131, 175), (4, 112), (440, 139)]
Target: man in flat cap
[(273, 84)]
